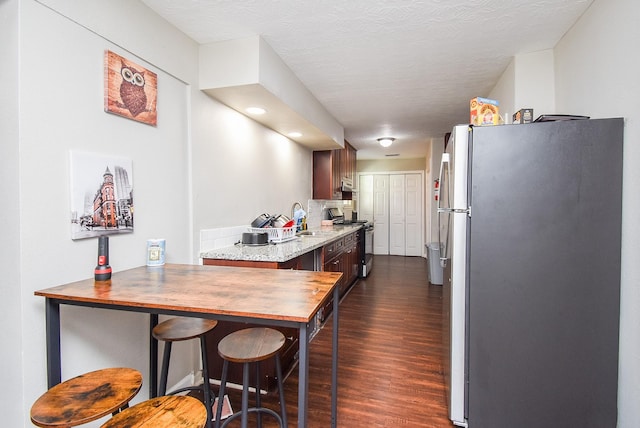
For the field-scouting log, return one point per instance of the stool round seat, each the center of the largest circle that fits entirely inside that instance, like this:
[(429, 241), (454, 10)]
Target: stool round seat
[(178, 329), (169, 411), (86, 398), (251, 345)]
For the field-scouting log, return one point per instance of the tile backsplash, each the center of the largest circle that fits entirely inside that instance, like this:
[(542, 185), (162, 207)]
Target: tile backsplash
[(316, 210), (211, 239)]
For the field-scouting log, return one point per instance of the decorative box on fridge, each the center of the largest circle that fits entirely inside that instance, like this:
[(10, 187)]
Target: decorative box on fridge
[(524, 115), (484, 111)]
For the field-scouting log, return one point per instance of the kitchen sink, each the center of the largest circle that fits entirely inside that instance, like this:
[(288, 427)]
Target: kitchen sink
[(310, 233)]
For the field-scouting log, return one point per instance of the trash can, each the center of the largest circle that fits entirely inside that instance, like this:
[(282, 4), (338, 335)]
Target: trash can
[(435, 269)]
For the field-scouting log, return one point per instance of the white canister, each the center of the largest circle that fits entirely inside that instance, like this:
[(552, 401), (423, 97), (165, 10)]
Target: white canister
[(155, 252)]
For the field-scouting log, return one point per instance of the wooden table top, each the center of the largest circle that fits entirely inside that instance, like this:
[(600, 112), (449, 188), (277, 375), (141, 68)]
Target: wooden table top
[(289, 295)]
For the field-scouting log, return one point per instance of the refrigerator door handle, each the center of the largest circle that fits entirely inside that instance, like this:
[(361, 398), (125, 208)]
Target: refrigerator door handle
[(443, 162), (444, 169), (460, 211)]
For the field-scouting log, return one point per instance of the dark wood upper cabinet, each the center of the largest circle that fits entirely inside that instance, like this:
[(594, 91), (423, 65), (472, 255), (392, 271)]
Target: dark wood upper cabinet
[(329, 168)]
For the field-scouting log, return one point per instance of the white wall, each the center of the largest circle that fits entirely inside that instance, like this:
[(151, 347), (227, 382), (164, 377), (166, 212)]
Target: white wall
[(536, 88), (61, 109), (241, 169), (11, 366), (527, 82), (505, 91), (200, 158), (597, 66)]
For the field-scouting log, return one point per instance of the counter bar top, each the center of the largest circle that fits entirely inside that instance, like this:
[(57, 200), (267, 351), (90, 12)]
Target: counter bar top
[(257, 293), (284, 251)]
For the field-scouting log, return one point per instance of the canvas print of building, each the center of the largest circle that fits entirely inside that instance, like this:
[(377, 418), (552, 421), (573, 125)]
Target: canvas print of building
[(130, 90), (101, 195)]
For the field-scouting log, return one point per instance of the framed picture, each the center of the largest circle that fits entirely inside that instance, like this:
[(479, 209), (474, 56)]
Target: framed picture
[(101, 195), (131, 90)]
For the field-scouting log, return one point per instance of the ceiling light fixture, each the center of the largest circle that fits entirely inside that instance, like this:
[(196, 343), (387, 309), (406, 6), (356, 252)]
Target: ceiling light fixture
[(295, 134), (386, 142), (256, 110)]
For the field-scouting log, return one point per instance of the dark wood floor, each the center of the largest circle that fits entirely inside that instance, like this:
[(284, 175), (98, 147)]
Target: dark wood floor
[(390, 366)]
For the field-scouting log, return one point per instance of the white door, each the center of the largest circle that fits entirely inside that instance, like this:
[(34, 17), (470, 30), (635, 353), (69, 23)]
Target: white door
[(397, 214), (381, 214), (413, 214), (365, 198), (393, 203)]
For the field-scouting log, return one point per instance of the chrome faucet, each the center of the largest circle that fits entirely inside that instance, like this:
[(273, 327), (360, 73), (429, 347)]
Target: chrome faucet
[(293, 208)]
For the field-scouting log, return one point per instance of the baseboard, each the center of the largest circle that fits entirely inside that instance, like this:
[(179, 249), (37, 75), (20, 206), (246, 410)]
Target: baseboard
[(188, 380)]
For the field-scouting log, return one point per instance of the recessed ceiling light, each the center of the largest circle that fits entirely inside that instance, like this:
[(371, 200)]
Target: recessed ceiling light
[(256, 110), (386, 141), (295, 134)]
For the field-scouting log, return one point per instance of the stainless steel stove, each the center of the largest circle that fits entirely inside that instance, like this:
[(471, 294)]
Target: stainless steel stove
[(367, 250)]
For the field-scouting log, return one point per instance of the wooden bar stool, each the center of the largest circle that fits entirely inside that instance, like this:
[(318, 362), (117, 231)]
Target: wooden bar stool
[(86, 398), (247, 346), (179, 329), (169, 411)]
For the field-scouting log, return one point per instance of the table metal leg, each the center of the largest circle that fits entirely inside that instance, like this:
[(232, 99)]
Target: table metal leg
[(303, 375), (334, 360), (52, 319), (153, 357)]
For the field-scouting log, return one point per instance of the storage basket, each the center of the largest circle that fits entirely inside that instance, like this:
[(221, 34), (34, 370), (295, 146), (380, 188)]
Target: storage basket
[(277, 234)]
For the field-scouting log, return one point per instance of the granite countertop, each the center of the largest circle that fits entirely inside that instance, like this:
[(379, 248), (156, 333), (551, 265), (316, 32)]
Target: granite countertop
[(284, 251)]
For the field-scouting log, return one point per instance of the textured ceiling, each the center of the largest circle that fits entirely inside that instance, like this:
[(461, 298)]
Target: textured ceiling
[(397, 68)]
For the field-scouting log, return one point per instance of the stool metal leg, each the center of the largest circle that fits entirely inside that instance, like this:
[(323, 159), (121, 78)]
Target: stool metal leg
[(238, 348), (245, 394), (165, 369), (258, 398), (283, 408), (126, 406), (223, 383), (206, 386)]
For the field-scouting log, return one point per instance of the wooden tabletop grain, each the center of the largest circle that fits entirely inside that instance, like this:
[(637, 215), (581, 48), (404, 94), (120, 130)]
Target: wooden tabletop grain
[(290, 295), (86, 398), (169, 411)]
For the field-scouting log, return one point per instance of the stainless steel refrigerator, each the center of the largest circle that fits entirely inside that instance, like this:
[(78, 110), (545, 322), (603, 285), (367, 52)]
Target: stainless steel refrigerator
[(530, 228)]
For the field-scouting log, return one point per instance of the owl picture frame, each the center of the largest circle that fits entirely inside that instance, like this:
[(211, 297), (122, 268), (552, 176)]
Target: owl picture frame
[(130, 90)]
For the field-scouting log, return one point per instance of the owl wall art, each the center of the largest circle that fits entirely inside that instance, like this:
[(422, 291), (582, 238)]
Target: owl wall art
[(131, 90)]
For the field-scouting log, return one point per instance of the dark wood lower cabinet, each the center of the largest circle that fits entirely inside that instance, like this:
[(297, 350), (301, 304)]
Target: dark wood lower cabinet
[(341, 255)]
